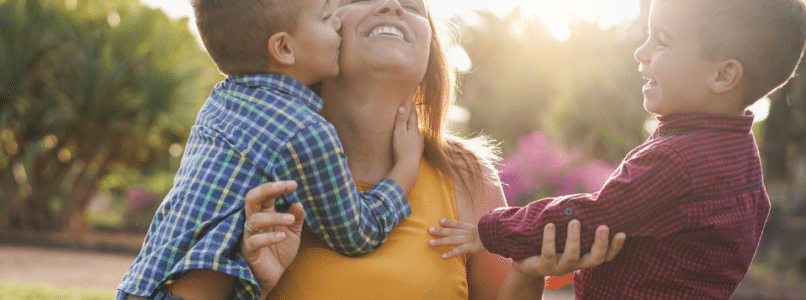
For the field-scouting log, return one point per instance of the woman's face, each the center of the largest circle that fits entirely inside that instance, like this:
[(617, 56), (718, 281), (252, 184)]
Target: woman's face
[(384, 34)]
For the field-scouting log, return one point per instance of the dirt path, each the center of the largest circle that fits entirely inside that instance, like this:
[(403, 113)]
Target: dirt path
[(88, 270), (62, 268)]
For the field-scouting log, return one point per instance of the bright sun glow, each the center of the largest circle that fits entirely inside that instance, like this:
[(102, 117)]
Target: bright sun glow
[(558, 15)]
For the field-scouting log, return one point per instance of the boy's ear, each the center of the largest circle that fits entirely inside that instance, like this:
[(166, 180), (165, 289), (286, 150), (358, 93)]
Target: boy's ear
[(728, 75), (280, 48)]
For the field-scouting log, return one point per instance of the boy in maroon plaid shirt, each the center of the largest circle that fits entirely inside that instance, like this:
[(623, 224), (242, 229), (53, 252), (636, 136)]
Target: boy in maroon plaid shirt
[(691, 198)]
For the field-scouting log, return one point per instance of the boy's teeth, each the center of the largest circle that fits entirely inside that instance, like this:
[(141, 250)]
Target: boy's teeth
[(388, 30)]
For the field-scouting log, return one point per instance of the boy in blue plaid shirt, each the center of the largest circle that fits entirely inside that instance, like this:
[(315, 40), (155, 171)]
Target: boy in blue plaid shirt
[(262, 124)]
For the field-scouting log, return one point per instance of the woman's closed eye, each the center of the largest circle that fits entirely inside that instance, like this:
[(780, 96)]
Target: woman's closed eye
[(412, 7)]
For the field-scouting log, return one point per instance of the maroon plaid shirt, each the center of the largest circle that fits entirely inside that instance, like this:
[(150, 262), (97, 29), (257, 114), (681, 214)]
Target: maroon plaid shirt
[(691, 200)]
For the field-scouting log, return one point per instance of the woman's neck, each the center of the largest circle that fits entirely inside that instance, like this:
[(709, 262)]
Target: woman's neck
[(363, 112)]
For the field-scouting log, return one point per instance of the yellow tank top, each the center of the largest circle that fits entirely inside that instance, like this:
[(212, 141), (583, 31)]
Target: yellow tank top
[(404, 267)]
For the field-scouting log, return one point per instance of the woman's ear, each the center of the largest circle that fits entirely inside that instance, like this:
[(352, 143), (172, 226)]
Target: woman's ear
[(280, 48), (728, 75)]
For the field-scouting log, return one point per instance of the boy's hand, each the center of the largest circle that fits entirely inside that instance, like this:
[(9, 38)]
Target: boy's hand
[(270, 239), (463, 235), (407, 140), (407, 144)]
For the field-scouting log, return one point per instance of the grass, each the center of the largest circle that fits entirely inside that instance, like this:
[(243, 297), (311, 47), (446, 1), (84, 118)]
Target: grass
[(12, 291)]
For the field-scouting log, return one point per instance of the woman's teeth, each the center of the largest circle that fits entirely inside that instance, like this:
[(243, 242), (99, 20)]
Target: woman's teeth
[(386, 30)]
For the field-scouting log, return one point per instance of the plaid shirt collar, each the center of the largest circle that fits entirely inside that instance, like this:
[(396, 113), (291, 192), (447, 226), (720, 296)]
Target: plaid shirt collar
[(683, 123), (282, 84)]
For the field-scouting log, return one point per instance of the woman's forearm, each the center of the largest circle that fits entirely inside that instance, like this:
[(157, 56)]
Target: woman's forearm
[(520, 286)]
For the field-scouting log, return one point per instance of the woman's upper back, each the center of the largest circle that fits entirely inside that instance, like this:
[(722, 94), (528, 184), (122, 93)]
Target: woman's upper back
[(404, 267)]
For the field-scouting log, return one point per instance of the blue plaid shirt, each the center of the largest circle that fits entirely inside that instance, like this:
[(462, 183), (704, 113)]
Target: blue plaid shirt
[(251, 130)]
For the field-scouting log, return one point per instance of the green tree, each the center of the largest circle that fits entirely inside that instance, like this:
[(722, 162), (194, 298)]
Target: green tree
[(585, 91), (511, 82), (88, 87)]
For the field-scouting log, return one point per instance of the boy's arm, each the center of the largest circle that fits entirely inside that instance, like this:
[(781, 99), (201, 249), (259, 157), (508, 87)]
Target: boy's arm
[(639, 199), (407, 144), (200, 221), (350, 222)]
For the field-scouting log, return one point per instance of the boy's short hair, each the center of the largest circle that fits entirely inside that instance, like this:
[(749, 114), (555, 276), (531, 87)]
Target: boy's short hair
[(766, 36), (236, 32)]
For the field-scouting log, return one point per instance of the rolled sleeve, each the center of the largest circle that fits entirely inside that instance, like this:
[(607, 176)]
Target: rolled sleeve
[(638, 199), (200, 222), (350, 222)]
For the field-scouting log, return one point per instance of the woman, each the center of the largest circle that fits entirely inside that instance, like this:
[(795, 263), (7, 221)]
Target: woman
[(390, 57)]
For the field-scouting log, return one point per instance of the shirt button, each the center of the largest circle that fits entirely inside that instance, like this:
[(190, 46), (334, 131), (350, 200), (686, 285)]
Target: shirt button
[(569, 211)]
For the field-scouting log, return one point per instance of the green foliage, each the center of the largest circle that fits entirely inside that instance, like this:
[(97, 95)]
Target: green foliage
[(89, 87), (585, 90), (599, 106)]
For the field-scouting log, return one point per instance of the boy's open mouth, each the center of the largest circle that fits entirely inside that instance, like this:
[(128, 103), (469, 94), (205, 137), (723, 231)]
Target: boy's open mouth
[(650, 83)]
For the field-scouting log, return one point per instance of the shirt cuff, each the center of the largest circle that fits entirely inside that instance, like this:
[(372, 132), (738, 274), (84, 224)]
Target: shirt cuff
[(393, 197), (489, 232)]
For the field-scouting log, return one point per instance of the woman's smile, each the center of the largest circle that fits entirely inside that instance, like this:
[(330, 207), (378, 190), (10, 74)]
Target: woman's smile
[(387, 30)]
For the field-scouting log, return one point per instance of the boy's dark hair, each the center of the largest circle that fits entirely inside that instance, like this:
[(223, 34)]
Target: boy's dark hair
[(766, 36), (236, 32)]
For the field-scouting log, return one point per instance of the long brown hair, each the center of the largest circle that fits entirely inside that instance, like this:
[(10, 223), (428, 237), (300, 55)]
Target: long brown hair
[(453, 156)]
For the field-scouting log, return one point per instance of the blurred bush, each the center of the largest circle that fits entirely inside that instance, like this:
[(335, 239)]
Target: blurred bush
[(542, 167), (90, 89)]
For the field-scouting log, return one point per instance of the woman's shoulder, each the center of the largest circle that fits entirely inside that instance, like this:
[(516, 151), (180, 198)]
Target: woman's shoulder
[(477, 185)]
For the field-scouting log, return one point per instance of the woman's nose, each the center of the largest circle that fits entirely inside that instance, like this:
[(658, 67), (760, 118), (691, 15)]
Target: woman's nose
[(390, 7)]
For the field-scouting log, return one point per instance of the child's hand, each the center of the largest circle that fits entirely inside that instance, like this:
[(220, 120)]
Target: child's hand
[(407, 143), (407, 140), (460, 234)]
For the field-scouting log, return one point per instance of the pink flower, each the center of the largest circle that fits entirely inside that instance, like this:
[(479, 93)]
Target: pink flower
[(542, 164)]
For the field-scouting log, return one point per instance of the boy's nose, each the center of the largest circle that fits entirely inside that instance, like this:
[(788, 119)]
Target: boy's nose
[(390, 7), (641, 54)]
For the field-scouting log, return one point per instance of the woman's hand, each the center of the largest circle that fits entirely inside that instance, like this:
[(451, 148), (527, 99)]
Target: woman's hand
[(270, 239), (549, 264), (525, 278)]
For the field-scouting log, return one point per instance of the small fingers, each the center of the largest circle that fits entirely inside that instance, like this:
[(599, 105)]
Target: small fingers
[(615, 246), (447, 231), (459, 250), (413, 123), (448, 241), (400, 119), (448, 223)]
